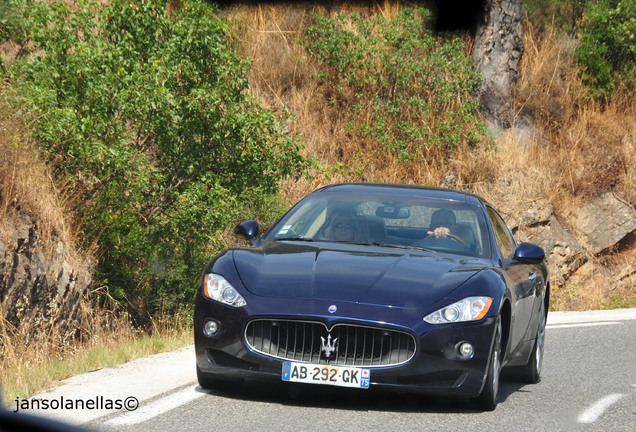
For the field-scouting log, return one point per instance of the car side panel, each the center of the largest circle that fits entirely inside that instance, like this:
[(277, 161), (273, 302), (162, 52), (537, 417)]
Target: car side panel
[(524, 297)]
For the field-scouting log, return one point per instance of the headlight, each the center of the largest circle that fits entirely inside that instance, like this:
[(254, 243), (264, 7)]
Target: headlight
[(218, 288), (468, 309)]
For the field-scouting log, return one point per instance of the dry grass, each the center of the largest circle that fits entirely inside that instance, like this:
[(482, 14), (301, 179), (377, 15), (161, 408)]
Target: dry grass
[(285, 77), (584, 148), (28, 368), (23, 357), (26, 186), (591, 143)]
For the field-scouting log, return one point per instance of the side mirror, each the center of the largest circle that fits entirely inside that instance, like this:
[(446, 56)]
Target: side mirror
[(529, 253), (248, 229)]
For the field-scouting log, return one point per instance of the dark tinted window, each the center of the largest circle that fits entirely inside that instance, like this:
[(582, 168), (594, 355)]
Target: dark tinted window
[(505, 241)]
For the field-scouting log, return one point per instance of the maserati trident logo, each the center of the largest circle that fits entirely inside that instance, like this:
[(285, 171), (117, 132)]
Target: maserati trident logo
[(328, 347)]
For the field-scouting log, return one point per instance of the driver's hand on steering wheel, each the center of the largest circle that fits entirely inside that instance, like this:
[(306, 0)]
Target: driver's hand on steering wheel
[(440, 232)]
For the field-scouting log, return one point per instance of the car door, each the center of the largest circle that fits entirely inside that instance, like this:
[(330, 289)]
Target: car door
[(520, 277)]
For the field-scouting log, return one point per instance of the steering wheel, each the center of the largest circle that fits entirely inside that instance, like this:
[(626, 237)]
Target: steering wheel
[(448, 236)]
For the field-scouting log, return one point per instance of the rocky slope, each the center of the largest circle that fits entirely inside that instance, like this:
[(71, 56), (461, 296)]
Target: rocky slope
[(592, 248), (41, 288)]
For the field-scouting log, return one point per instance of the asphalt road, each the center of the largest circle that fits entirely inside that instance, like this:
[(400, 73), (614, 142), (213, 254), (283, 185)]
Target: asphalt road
[(588, 384)]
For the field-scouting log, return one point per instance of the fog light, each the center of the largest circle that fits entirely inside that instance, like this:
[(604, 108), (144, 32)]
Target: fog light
[(465, 350), (210, 328)]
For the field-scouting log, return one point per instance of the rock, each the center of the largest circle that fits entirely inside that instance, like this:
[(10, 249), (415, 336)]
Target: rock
[(621, 268), (449, 181), (540, 212), (603, 223), (565, 254), (39, 288)]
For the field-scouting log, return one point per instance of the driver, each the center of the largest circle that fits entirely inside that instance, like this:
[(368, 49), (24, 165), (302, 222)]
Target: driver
[(443, 223)]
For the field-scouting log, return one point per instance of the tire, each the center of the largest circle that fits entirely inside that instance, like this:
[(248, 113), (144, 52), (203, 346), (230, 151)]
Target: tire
[(531, 372), (206, 381), (487, 400)]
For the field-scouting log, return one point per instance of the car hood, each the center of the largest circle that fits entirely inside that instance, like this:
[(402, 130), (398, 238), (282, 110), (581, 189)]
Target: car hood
[(343, 272)]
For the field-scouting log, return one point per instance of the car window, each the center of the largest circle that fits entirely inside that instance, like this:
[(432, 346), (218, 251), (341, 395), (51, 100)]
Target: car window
[(305, 221), (503, 237)]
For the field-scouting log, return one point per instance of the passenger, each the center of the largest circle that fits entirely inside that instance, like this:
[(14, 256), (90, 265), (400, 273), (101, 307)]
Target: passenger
[(343, 229)]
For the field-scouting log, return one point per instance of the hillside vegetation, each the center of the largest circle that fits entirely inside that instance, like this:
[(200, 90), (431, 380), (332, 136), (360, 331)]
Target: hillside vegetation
[(144, 118), (151, 128), (574, 138)]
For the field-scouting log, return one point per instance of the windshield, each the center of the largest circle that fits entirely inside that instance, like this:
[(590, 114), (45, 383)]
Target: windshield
[(386, 220)]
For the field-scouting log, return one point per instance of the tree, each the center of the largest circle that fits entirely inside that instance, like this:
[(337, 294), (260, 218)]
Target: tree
[(497, 52)]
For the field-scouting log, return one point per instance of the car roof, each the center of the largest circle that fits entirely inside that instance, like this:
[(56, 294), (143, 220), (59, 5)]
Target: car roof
[(406, 190)]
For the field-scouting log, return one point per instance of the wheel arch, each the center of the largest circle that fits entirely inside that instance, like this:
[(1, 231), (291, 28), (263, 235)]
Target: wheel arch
[(505, 313)]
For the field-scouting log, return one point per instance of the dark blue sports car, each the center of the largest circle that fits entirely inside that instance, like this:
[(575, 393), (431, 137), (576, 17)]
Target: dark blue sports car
[(375, 285)]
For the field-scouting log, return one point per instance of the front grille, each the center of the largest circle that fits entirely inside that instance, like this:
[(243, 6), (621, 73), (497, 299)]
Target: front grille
[(351, 345)]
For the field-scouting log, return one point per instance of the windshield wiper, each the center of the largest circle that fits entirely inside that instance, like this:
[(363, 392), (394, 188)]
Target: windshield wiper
[(399, 246), (391, 245), (296, 238)]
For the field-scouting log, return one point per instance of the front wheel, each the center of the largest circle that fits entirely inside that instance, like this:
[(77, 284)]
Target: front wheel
[(487, 400)]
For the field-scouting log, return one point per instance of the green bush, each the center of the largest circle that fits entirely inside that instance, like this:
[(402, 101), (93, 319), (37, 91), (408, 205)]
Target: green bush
[(148, 119), (607, 49), (560, 15), (409, 89)]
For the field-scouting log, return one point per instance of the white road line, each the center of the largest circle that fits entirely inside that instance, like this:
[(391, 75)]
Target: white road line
[(158, 407), (597, 409), (583, 324)]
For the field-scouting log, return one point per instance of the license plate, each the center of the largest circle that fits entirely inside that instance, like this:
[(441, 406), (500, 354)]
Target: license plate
[(325, 374)]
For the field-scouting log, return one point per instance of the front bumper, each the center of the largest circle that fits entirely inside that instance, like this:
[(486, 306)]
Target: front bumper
[(436, 368)]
